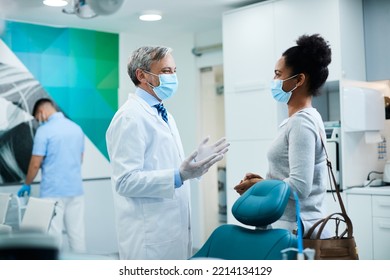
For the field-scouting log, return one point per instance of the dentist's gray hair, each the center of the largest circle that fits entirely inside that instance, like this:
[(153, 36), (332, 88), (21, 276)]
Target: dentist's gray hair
[(143, 57)]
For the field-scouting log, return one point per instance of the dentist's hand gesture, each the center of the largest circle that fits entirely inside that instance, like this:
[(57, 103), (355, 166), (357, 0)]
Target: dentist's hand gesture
[(204, 150), (199, 162)]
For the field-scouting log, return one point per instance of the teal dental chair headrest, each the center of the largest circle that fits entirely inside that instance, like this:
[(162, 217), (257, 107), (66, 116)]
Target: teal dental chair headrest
[(262, 204)]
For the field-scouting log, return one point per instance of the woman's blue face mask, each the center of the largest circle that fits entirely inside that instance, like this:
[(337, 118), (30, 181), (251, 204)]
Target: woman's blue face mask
[(277, 90)]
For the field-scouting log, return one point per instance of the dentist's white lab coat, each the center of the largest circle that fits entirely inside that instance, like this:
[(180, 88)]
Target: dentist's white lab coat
[(152, 217)]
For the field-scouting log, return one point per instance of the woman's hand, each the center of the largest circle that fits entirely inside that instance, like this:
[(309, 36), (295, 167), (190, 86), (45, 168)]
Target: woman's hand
[(252, 176), (249, 180)]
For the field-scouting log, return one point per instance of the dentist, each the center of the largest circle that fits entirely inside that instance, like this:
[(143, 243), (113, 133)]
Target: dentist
[(149, 171)]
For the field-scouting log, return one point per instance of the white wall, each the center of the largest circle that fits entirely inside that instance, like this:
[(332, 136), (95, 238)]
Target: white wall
[(209, 38)]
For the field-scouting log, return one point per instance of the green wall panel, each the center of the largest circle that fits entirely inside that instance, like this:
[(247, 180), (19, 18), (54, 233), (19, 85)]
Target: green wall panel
[(78, 69)]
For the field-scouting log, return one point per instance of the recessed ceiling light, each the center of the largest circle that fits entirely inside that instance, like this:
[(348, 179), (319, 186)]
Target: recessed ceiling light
[(55, 3), (150, 16)]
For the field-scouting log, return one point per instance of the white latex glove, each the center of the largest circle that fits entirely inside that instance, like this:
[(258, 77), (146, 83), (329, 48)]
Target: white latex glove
[(190, 169), (219, 147)]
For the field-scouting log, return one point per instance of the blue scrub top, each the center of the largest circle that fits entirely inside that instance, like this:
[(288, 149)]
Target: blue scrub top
[(61, 142)]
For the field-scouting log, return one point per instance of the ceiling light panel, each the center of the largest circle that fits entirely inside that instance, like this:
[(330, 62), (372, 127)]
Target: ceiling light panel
[(55, 3), (150, 16)]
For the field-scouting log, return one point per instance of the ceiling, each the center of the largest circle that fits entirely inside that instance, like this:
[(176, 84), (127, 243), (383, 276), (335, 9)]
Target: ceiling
[(178, 15)]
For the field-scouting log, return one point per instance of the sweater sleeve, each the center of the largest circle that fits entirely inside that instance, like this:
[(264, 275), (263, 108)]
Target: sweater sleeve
[(302, 138)]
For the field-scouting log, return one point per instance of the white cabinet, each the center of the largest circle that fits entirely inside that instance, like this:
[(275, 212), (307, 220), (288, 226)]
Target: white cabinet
[(248, 47), (251, 115), (359, 210), (254, 37), (369, 210), (381, 227)]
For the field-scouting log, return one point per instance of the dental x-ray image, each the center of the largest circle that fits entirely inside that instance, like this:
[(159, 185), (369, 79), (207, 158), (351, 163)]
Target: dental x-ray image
[(18, 93)]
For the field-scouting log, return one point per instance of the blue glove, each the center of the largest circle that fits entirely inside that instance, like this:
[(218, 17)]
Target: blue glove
[(24, 189)]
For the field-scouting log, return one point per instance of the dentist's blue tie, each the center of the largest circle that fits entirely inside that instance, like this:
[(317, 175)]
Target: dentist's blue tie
[(162, 111)]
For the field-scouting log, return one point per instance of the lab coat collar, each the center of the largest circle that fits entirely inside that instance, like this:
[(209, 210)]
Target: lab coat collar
[(146, 96), (147, 101)]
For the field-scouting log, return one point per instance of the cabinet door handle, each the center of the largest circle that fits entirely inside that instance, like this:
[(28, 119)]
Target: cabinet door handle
[(382, 203), (384, 225)]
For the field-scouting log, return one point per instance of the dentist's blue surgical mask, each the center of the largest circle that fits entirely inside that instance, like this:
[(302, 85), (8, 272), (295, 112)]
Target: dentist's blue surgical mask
[(167, 87), (277, 90)]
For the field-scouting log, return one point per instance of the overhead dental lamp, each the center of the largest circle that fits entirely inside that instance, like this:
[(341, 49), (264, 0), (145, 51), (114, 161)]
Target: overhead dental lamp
[(92, 8)]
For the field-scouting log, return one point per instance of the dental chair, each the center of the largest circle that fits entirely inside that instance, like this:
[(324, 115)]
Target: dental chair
[(4, 205), (32, 240), (258, 207), (38, 215)]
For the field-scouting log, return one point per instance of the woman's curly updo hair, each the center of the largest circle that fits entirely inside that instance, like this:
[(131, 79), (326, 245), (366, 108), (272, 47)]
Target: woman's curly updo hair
[(310, 56)]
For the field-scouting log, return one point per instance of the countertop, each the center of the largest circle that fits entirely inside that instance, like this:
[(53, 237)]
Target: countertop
[(379, 190)]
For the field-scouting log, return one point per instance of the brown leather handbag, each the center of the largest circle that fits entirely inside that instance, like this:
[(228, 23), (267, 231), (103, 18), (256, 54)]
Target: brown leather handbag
[(342, 245), (338, 247)]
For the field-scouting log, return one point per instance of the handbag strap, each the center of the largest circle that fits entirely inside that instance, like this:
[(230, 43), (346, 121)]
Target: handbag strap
[(332, 179), (323, 222)]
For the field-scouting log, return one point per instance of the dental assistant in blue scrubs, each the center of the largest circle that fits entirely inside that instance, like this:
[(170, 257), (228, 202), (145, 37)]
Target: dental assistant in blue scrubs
[(58, 151)]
